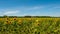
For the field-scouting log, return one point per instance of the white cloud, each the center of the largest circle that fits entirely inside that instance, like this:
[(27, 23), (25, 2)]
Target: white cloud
[(34, 8), (10, 12)]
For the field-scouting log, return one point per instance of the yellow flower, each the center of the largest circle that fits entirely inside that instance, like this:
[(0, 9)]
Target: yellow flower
[(8, 22), (37, 20), (36, 23), (19, 21)]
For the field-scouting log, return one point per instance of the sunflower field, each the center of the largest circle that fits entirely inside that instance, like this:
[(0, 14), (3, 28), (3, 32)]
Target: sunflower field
[(29, 25)]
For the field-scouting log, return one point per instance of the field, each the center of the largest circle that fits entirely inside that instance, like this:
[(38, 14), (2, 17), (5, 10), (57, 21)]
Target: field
[(29, 25)]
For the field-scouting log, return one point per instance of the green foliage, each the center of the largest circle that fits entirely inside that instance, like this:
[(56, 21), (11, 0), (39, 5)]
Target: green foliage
[(45, 27)]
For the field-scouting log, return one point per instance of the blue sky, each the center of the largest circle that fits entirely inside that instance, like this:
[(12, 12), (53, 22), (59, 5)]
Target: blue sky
[(30, 7)]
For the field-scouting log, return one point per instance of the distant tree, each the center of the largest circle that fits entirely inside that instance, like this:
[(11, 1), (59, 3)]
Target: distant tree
[(27, 16), (45, 16), (15, 16), (1, 16), (5, 16), (11, 16)]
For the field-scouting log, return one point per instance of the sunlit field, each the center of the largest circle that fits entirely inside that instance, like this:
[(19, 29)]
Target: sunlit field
[(29, 25)]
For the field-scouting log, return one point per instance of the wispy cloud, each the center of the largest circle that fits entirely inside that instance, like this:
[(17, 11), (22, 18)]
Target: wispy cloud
[(34, 8), (10, 12)]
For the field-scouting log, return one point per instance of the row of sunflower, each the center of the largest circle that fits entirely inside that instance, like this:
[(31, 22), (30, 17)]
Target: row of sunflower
[(29, 25)]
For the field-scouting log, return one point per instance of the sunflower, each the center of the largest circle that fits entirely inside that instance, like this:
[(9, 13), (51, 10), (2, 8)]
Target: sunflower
[(8, 22), (19, 21)]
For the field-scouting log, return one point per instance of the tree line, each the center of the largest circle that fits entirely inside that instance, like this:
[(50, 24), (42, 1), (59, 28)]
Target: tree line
[(28, 16)]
